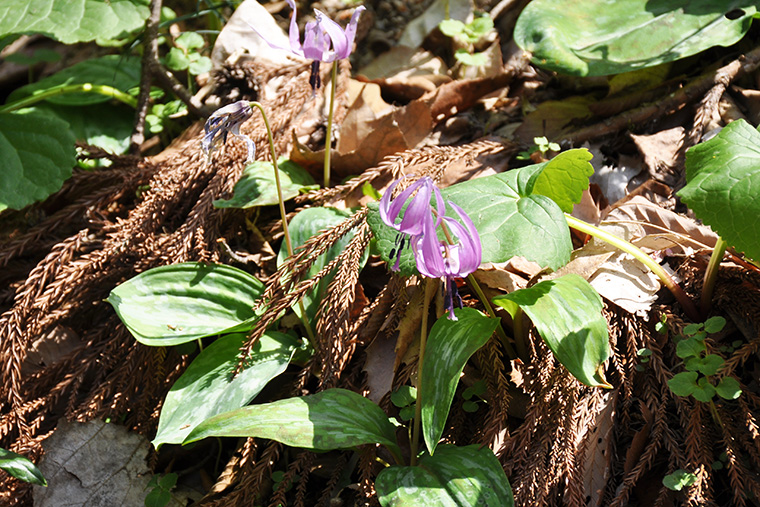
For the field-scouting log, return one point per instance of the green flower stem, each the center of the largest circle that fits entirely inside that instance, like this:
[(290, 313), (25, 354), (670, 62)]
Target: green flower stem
[(520, 332), (283, 214), (105, 90), (430, 287), (491, 313), (686, 303), (328, 141), (711, 275)]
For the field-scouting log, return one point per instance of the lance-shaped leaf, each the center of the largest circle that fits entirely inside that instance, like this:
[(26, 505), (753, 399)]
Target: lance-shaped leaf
[(567, 313), (449, 346), (175, 304), (38, 155), (332, 419), (208, 388), (257, 187), (21, 468), (600, 37), (723, 176), (454, 476)]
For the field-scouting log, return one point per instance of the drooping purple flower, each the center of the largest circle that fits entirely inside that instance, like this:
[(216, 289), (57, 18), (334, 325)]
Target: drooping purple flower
[(440, 259), (324, 39), (228, 119)]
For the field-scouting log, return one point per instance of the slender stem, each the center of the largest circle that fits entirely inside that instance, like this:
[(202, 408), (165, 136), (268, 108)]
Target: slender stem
[(711, 276), (106, 90), (686, 303), (715, 414), (491, 313), (430, 284), (283, 215), (328, 141), (520, 332)]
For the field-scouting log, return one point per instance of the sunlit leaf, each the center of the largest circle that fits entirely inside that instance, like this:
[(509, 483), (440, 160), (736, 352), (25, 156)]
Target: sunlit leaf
[(567, 313), (454, 476), (21, 468), (450, 344), (208, 388), (175, 304), (599, 37), (256, 187), (332, 419)]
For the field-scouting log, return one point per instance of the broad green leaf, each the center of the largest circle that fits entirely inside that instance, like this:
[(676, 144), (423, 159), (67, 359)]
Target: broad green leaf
[(117, 71), (207, 387), (449, 347), (303, 226), (158, 497), (567, 313), (21, 468), (690, 347), (723, 188), (71, 21), (332, 419), (704, 391), (454, 476), (601, 37), (715, 324), (39, 55), (684, 383), (708, 365), (175, 304), (565, 177), (728, 388), (256, 187), (38, 155)]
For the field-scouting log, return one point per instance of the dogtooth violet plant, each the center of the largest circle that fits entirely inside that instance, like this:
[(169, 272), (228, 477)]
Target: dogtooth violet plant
[(324, 41)]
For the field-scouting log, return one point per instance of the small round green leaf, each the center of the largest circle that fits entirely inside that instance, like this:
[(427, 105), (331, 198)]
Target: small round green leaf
[(715, 324), (190, 40), (728, 388), (679, 480), (684, 383)]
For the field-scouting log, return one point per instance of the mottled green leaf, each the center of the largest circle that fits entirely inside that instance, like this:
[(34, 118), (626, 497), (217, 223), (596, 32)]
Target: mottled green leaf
[(256, 187), (207, 387), (118, 71), (600, 37), (38, 155), (567, 313), (723, 185), (21, 468), (175, 304), (449, 347), (332, 419), (71, 21), (454, 476)]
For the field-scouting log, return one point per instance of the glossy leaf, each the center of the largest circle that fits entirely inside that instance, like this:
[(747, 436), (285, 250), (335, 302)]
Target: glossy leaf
[(565, 177), (567, 313), (71, 21), (117, 71), (256, 186), (38, 155), (723, 184), (303, 226), (454, 476), (332, 419), (21, 468), (207, 387), (449, 347), (601, 37), (175, 304)]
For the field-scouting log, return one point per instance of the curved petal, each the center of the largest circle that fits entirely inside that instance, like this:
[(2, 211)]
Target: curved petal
[(351, 28), (293, 35), (469, 251), (337, 35), (427, 251), (314, 41), (418, 209), (385, 205)]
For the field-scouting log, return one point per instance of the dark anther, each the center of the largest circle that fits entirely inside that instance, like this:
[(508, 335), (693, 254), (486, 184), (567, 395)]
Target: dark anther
[(314, 79)]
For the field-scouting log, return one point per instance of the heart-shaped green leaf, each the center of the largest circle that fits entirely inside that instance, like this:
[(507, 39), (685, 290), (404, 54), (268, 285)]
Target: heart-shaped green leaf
[(72, 21), (117, 71), (38, 155), (450, 344), (175, 304), (332, 419), (21, 468), (684, 383), (600, 37), (454, 476), (207, 387), (257, 187), (728, 388), (723, 176), (567, 313), (564, 178)]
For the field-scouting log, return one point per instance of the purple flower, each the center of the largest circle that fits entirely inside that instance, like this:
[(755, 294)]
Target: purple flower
[(324, 40), (419, 207), (225, 120)]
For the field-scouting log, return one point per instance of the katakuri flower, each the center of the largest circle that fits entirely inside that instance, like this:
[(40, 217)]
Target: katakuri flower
[(228, 119), (324, 40)]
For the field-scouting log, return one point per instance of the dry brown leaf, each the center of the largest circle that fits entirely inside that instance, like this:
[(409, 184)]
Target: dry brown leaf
[(380, 365), (553, 119), (639, 442), (660, 150), (48, 348), (404, 73), (408, 327), (596, 470)]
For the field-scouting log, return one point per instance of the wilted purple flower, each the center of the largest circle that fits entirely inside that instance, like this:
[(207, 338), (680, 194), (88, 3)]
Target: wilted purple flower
[(225, 120), (324, 39), (441, 259)]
